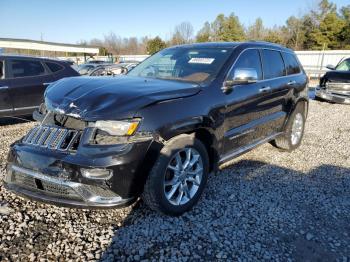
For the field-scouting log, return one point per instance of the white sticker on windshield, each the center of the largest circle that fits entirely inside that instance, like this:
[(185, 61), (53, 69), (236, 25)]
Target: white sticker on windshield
[(201, 60)]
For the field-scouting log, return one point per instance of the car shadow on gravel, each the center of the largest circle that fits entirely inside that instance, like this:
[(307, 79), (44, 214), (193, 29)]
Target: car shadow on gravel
[(250, 210)]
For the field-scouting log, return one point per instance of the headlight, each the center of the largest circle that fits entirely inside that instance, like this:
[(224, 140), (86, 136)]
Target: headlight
[(118, 128)]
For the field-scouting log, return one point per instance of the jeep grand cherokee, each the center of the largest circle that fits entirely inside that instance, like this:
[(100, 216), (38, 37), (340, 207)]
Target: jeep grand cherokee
[(160, 130)]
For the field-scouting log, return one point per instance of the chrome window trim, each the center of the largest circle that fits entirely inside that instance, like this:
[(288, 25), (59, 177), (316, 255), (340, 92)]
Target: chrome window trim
[(261, 48)]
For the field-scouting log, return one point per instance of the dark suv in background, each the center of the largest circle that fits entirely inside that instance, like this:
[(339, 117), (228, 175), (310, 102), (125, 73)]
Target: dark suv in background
[(23, 81), (158, 131)]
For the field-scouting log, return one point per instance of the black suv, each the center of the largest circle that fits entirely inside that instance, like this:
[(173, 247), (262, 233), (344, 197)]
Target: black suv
[(23, 81), (160, 130)]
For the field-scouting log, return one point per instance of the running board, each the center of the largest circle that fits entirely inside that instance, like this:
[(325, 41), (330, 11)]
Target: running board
[(247, 148)]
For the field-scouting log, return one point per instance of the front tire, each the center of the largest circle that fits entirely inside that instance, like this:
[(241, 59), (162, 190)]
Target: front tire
[(294, 131), (178, 177)]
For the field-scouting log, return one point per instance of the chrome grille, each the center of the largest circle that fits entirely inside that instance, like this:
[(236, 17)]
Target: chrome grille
[(56, 138), (338, 86)]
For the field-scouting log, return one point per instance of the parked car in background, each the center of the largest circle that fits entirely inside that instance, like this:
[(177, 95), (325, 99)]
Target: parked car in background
[(96, 62), (85, 69), (114, 69), (335, 84), (23, 81), (158, 131)]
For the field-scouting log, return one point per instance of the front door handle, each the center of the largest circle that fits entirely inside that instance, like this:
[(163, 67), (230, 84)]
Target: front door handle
[(4, 87), (46, 84), (291, 83), (264, 89)]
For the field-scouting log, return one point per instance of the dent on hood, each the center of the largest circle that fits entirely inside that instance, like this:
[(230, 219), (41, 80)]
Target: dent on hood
[(92, 99)]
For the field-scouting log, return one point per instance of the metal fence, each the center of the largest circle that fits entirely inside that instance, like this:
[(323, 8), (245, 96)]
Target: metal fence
[(318, 60), (314, 62)]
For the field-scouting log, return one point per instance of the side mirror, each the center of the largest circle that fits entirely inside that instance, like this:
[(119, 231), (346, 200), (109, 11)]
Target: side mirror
[(242, 76), (331, 67)]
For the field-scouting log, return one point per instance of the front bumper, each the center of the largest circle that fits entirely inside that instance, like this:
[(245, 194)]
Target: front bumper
[(329, 95), (40, 187), (55, 176)]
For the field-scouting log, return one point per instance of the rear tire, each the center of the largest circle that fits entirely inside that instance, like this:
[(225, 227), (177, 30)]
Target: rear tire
[(294, 130), (178, 177)]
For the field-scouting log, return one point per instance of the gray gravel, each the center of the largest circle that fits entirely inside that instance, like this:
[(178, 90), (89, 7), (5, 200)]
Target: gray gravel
[(265, 205)]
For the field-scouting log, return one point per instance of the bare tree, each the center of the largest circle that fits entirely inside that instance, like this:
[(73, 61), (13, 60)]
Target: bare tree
[(183, 34), (113, 43)]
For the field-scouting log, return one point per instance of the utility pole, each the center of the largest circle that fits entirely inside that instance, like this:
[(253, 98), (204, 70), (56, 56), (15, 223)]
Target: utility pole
[(41, 39)]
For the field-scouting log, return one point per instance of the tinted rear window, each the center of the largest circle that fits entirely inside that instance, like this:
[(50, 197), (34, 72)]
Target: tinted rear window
[(273, 65), (54, 67), (250, 59), (292, 65), (21, 68)]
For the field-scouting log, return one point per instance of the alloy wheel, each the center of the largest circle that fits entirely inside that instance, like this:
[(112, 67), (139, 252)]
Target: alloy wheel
[(183, 176), (297, 128)]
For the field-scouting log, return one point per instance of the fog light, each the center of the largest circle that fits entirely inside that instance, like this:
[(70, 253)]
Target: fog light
[(96, 173)]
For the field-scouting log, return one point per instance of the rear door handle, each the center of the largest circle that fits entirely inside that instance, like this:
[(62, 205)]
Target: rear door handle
[(291, 83), (264, 89), (4, 87), (46, 84)]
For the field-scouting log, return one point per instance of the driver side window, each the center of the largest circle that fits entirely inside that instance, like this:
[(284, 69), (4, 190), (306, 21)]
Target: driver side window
[(249, 59)]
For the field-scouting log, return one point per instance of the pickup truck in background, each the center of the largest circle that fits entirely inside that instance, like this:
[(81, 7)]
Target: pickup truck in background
[(335, 84)]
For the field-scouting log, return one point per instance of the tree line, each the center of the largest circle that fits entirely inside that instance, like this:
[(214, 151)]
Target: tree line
[(323, 27)]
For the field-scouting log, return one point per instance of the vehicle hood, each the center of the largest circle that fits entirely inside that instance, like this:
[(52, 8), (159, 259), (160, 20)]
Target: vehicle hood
[(337, 76), (96, 98)]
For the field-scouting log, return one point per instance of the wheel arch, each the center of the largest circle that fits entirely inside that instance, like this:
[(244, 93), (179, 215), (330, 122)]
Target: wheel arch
[(208, 140), (301, 101)]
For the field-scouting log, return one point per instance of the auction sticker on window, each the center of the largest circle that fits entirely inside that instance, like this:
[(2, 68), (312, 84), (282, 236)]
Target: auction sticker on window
[(201, 60)]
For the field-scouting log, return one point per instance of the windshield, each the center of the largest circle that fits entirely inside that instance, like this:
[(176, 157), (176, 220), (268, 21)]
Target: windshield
[(184, 64), (83, 69), (344, 66)]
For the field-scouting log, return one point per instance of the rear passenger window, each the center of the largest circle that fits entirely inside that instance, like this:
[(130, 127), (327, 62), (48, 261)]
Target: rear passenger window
[(292, 65), (54, 67), (249, 59), (272, 64), (21, 68)]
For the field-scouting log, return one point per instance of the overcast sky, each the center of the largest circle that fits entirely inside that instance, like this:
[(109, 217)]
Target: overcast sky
[(70, 21)]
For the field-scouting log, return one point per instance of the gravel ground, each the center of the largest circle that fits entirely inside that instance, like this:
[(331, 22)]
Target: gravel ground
[(265, 205)]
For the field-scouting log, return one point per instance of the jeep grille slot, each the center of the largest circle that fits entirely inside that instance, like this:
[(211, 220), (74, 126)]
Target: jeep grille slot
[(55, 138)]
